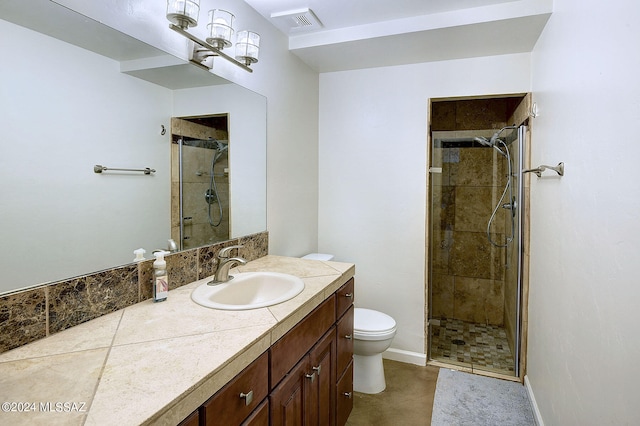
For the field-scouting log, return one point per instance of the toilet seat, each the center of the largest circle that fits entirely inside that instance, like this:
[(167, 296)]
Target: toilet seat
[(372, 325)]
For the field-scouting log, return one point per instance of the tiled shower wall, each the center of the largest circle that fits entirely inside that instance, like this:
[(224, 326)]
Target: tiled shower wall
[(196, 179), (468, 272), (35, 313)]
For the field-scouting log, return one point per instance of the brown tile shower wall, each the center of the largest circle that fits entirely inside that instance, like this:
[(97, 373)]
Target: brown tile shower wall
[(467, 281), (35, 313), (196, 180)]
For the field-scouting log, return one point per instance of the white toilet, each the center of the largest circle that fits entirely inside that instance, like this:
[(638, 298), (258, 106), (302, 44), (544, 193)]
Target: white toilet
[(318, 256), (373, 332)]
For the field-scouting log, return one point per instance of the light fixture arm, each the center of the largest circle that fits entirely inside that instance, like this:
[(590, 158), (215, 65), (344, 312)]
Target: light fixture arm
[(209, 47)]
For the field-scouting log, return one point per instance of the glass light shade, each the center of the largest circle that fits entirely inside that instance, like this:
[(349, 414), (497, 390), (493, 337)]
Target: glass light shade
[(247, 47), (220, 28), (183, 13)]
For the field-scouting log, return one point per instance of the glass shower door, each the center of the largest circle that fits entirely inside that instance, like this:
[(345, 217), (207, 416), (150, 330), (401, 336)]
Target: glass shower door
[(475, 249)]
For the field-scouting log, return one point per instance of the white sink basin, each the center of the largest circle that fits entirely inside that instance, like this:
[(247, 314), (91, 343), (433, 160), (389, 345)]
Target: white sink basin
[(249, 290)]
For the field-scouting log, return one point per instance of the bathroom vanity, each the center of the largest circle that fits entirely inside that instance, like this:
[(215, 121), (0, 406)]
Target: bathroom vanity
[(176, 362), (306, 377)]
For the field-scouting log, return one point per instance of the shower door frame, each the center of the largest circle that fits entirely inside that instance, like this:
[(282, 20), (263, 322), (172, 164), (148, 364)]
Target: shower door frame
[(523, 134)]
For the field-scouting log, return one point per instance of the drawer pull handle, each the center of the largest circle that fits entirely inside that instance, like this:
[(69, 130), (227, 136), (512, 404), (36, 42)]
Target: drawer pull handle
[(348, 394), (317, 369), (348, 337), (350, 295), (311, 377), (248, 397)]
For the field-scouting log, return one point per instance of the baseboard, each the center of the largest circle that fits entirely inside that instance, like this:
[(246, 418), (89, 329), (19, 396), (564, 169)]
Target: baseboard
[(534, 404), (405, 356)]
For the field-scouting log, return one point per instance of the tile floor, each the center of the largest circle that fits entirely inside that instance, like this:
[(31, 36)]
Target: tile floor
[(407, 400), (480, 346)]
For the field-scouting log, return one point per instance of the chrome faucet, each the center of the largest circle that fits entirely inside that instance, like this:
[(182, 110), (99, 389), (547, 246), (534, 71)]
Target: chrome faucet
[(224, 264)]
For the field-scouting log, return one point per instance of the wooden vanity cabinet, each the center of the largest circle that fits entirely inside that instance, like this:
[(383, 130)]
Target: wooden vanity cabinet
[(232, 404), (192, 420), (260, 416), (292, 347), (344, 393), (344, 352), (306, 396), (305, 378), (344, 298)]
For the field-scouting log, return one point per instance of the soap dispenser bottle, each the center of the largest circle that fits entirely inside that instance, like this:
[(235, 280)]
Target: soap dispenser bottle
[(160, 277)]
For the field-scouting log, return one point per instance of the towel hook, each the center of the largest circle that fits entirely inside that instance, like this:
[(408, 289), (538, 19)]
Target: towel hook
[(559, 169)]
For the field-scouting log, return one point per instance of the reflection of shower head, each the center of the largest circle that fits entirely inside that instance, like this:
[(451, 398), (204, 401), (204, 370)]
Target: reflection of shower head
[(221, 146), (483, 141), (492, 142)]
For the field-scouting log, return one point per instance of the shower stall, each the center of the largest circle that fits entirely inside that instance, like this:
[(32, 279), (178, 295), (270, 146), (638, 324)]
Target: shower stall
[(200, 181), (477, 207)]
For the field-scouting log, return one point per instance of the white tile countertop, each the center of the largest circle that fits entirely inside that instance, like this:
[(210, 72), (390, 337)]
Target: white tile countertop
[(153, 363)]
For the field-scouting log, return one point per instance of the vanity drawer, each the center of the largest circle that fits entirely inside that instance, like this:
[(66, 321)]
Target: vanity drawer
[(344, 346), (344, 297), (260, 417), (227, 407), (344, 400), (287, 351)]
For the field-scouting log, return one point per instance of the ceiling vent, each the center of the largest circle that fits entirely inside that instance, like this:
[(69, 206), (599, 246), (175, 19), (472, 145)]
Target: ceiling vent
[(298, 20)]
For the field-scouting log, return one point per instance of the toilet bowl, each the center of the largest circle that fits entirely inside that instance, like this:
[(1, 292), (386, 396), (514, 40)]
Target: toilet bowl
[(373, 332)]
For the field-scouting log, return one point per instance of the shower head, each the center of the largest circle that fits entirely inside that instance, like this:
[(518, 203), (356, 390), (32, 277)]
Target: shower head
[(493, 142), (220, 149), (221, 146), (489, 142), (483, 141)]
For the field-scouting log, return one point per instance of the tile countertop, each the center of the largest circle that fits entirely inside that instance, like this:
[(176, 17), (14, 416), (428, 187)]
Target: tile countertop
[(153, 363)]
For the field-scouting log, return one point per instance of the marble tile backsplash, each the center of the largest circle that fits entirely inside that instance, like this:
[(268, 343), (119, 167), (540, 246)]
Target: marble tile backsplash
[(37, 312)]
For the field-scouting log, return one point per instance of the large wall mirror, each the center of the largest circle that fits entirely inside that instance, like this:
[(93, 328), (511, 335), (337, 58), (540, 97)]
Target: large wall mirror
[(67, 109)]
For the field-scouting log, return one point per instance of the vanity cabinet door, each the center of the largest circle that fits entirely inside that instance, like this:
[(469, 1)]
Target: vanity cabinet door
[(321, 398), (235, 402), (288, 350), (287, 400)]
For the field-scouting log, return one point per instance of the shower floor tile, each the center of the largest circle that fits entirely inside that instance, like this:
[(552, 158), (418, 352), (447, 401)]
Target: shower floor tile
[(480, 346)]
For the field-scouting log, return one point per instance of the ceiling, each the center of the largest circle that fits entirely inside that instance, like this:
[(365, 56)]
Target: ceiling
[(358, 34)]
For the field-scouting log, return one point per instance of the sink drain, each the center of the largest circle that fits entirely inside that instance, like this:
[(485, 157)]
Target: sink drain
[(458, 342)]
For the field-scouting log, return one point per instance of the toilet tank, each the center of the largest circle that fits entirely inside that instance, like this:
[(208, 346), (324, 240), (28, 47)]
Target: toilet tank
[(318, 256)]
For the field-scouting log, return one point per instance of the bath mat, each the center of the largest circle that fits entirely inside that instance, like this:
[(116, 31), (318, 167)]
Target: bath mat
[(467, 399)]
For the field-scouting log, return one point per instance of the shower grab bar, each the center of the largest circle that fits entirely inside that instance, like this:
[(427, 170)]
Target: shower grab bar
[(559, 169), (99, 169)]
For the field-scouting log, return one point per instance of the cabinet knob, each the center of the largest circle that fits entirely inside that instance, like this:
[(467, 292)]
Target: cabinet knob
[(349, 295), (348, 337), (311, 377), (248, 397), (348, 394), (317, 369)]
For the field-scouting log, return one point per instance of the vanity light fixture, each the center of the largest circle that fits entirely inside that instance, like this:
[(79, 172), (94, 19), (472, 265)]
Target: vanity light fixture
[(247, 47), (184, 13)]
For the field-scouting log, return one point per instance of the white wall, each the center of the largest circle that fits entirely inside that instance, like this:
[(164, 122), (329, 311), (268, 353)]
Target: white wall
[(373, 166), (585, 246), (64, 110)]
